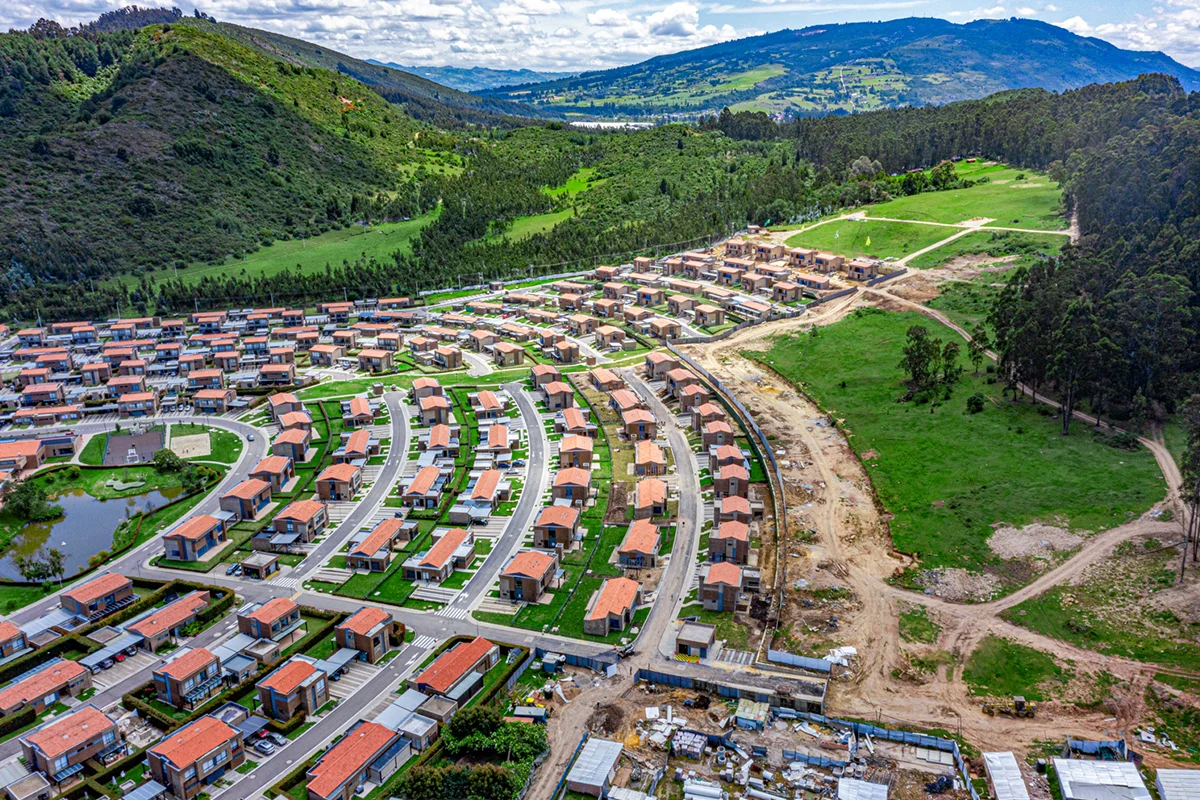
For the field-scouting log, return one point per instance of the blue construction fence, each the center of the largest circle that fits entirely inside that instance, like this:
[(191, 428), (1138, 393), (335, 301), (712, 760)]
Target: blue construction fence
[(562, 779), (804, 662), (516, 676), (904, 737), (888, 277), (598, 664)]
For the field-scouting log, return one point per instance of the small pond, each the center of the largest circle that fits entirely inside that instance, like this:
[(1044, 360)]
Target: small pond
[(86, 527)]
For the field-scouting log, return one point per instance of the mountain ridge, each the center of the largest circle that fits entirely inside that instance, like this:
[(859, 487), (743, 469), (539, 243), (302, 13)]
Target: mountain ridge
[(474, 79), (848, 67)]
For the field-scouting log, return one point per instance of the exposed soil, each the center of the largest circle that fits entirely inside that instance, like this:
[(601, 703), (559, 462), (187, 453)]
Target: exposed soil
[(958, 585), (1032, 541)]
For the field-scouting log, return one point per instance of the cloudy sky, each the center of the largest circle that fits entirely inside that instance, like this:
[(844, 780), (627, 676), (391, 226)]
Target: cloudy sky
[(589, 34)]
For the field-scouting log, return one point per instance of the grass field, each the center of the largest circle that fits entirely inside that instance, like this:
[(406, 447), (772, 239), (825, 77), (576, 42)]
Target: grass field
[(948, 475), (524, 227), (580, 181), (1002, 668), (1026, 247), (311, 255), (969, 302), (870, 238), (1031, 203), (93, 452), (1114, 609)]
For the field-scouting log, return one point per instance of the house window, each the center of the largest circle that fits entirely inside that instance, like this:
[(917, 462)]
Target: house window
[(191, 773), (110, 737)]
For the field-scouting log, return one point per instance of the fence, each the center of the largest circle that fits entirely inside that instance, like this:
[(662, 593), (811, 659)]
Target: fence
[(597, 664), (749, 323), (814, 699), (904, 737), (516, 676), (827, 298), (804, 662), (792, 756), (558, 787), (888, 277)]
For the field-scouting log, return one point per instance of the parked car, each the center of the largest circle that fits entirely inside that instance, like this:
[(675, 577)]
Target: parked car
[(131, 650), (278, 738), (520, 462), (119, 657), (233, 569), (264, 747), (106, 663), (249, 437)]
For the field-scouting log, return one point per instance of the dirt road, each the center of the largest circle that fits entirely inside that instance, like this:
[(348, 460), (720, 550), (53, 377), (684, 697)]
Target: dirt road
[(829, 492)]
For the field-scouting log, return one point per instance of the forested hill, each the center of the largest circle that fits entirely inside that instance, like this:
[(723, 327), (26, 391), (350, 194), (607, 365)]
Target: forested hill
[(853, 67), (174, 143), (422, 98)]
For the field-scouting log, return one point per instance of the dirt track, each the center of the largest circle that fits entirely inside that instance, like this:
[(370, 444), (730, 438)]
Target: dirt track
[(852, 541)]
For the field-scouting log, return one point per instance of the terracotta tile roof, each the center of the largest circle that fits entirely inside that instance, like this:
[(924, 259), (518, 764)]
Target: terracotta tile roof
[(635, 416), (359, 407), (616, 595), (379, 537), (287, 678), (649, 453), (351, 754), (194, 528), (734, 471), (192, 742), (434, 401), (21, 447), (272, 610), (735, 504), (426, 383), (561, 516), (489, 401), (247, 489), (529, 564), (485, 485), (187, 664), (271, 465), (294, 436), (707, 409), (380, 354), (642, 537), (301, 510), (732, 529), (444, 548), (447, 668), (574, 419), (439, 436), (358, 442), (135, 397), (650, 491), (40, 684), (544, 369), (205, 373), (557, 387), (213, 394), (498, 436), (724, 572), (339, 473), (365, 620), (8, 631), (64, 735), (98, 588), (602, 375), (575, 442), (624, 399), (717, 426), (573, 476), (170, 616), (423, 481)]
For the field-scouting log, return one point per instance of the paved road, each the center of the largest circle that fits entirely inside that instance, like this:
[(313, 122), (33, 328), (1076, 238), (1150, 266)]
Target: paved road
[(370, 503)]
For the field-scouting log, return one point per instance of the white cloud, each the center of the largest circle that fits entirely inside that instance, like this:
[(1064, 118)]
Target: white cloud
[(677, 19), (1050, 8), (1026, 11), (607, 17)]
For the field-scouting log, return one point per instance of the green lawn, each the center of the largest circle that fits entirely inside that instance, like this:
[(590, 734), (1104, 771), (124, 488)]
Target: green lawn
[(224, 446), (1031, 203), (968, 303), (871, 237), (999, 667), (93, 452), (1027, 247), (311, 255), (733, 634), (916, 626), (524, 227), (947, 475), (580, 181)]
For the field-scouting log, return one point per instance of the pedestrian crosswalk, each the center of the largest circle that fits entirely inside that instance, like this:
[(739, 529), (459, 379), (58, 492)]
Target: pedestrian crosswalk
[(285, 583), (424, 642), (452, 613)]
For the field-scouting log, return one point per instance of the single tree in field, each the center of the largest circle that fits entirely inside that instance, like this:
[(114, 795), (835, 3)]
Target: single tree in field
[(922, 358), (978, 345), (950, 368), (56, 563)]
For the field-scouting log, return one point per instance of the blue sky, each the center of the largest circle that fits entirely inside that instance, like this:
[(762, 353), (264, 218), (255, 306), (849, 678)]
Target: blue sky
[(595, 34)]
